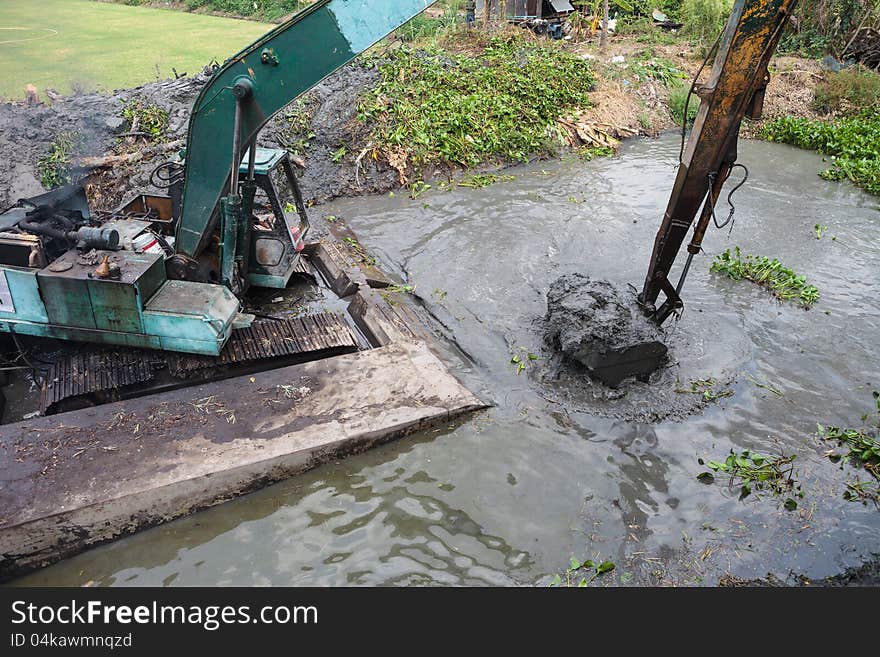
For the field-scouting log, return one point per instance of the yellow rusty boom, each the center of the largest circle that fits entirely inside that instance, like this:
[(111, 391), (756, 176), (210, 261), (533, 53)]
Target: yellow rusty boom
[(735, 89)]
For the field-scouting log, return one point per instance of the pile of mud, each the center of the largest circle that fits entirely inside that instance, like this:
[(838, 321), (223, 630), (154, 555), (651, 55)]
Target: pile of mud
[(601, 327), (594, 322), (95, 119)]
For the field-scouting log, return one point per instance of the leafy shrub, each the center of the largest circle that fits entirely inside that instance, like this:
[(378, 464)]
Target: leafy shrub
[(647, 65), (147, 117), (263, 9), (425, 27), (53, 167), (431, 106), (704, 19), (849, 91), (825, 26), (677, 98)]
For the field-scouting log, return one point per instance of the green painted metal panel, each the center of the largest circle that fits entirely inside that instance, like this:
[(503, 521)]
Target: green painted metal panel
[(267, 280), (299, 54), (24, 295), (149, 282), (266, 159), (190, 311), (67, 300), (135, 340), (115, 306), (73, 296)]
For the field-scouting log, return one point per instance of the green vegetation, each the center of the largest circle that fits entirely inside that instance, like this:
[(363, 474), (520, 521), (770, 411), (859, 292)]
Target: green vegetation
[(706, 389), (678, 97), (753, 471), (390, 293), (53, 167), (657, 68), (435, 107), (862, 448), (581, 573), (424, 27), (358, 250), (339, 154), (648, 66), (590, 153), (480, 180), (852, 141), (704, 19), (785, 284), (146, 118), (826, 26), (642, 28), (297, 133), (850, 91), (267, 10), (96, 45), (521, 358)]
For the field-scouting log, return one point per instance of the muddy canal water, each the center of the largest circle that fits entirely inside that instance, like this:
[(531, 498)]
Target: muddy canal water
[(509, 495)]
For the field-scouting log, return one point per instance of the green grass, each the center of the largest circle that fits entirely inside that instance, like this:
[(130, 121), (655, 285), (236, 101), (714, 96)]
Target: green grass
[(678, 98), (93, 45)]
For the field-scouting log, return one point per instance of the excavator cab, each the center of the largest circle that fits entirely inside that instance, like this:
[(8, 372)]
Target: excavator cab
[(279, 220)]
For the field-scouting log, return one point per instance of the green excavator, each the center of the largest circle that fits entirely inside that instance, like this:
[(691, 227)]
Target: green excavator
[(168, 272), (63, 277)]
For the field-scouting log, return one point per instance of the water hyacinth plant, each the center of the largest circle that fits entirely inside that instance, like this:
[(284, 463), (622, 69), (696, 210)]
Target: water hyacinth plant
[(783, 282)]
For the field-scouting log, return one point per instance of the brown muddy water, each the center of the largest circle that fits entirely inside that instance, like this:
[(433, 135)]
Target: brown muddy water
[(556, 471)]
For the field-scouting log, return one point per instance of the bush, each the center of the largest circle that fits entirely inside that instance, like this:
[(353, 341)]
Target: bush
[(704, 19), (53, 166), (262, 9), (848, 92), (439, 107), (825, 26), (677, 98), (147, 118), (425, 27)]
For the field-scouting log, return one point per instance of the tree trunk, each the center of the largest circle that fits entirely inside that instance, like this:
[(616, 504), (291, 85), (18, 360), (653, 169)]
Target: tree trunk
[(604, 23)]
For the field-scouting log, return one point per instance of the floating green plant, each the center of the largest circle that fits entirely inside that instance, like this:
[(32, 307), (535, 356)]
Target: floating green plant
[(782, 281), (754, 471)]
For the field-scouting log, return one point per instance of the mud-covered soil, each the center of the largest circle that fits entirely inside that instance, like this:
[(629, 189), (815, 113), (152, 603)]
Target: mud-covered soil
[(27, 132)]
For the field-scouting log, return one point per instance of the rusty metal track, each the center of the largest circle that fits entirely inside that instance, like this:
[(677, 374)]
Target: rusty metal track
[(272, 339), (96, 371), (108, 374)]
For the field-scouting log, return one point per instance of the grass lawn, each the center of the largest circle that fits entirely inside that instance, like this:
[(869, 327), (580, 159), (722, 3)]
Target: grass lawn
[(96, 45)]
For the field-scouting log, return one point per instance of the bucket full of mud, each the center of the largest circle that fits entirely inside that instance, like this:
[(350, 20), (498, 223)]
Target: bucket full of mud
[(601, 327)]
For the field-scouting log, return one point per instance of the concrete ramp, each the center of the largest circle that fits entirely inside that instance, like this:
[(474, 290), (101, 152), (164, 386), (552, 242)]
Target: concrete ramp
[(71, 481)]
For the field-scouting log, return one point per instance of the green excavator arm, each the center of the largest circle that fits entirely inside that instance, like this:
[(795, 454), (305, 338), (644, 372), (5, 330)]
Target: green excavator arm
[(261, 80)]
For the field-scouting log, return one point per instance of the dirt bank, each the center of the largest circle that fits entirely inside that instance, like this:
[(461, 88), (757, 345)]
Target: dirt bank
[(322, 129)]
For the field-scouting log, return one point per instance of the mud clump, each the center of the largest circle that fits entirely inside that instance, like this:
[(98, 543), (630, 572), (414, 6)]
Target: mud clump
[(603, 329)]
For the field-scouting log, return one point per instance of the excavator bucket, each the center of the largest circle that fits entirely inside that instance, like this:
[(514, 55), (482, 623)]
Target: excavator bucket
[(603, 329)]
